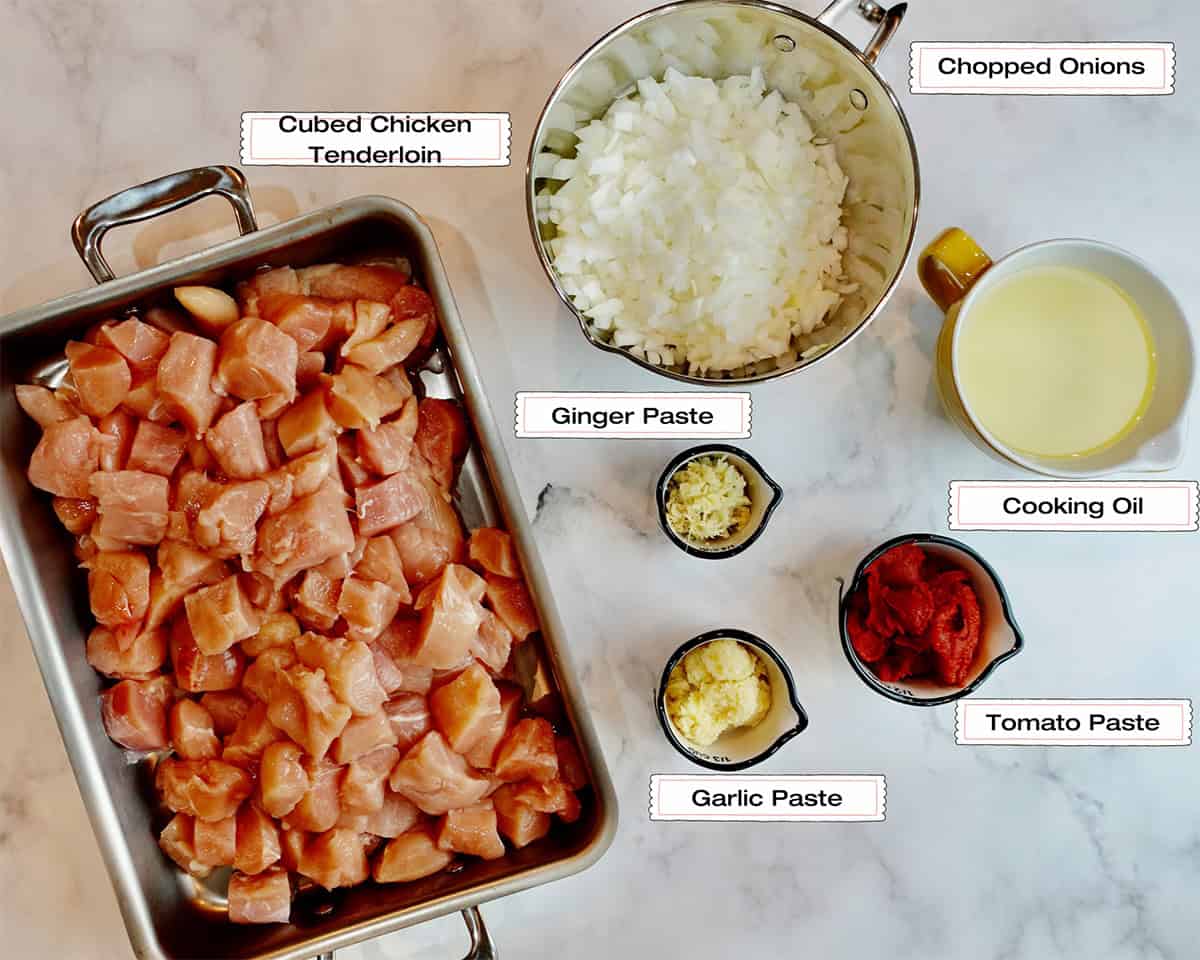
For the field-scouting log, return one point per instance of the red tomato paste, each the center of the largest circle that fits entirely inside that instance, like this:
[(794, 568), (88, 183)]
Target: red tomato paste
[(915, 616)]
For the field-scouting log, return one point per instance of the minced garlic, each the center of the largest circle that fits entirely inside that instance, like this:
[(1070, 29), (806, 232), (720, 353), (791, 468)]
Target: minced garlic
[(706, 499), (716, 687)]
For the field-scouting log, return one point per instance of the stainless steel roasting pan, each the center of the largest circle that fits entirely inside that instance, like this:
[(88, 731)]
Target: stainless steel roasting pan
[(170, 916)]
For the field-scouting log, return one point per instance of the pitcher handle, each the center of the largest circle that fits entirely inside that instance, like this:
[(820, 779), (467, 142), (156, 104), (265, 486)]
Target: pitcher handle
[(887, 21), (949, 267), (157, 197)]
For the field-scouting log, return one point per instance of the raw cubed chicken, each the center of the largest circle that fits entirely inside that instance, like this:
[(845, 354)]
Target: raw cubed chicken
[(482, 755), (262, 898), (364, 780), (135, 713), (305, 709), (519, 822), (309, 532), (349, 668), (370, 318), (225, 524), (316, 600), (234, 472), (386, 448), (335, 858), (132, 505), (391, 347), (387, 504), (359, 399), (412, 303), (44, 406), (266, 676), (307, 424), (310, 373), (471, 830), (337, 281), (424, 552), (527, 752), (399, 642), (450, 618), (319, 807), (183, 565), (491, 550), (66, 458), (177, 841), (362, 735), (511, 601), (257, 846), (282, 778), (277, 629), (140, 658), (409, 716), (220, 616), (118, 586), (215, 841), (192, 733), (308, 321), (227, 707), (387, 671), (141, 344), (276, 280), (117, 429), (144, 401), (552, 796), (441, 438), (236, 443), (77, 516), (493, 643), (254, 733), (435, 778), (411, 856), (184, 381), (570, 763), (466, 708), (381, 562), (300, 477), (397, 815), (100, 375), (208, 790), (257, 361), (367, 606), (156, 449), (198, 672)]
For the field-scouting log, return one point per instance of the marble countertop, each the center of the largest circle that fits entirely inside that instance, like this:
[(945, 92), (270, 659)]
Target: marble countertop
[(1005, 854)]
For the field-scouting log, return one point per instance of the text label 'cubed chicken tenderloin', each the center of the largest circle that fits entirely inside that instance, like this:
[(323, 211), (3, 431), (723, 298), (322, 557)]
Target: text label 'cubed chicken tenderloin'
[(292, 616)]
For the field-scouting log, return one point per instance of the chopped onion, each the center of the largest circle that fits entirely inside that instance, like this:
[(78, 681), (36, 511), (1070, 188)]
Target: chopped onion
[(698, 221)]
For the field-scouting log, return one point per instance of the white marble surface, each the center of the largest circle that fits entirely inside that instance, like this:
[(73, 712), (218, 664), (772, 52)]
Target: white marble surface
[(1005, 854)]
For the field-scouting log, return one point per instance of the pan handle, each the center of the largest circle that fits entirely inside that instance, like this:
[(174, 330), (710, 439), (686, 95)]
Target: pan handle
[(156, 197), (887, 21), (482, 947)]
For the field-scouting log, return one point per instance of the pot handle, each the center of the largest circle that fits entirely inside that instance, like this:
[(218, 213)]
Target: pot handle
[(482, 947), (887, 20), (153, 198)]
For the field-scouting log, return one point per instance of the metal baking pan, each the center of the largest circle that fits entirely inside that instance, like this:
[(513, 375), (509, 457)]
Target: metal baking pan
[(170, 916)]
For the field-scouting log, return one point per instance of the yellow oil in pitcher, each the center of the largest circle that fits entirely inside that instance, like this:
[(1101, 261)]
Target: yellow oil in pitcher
[(1055, 361)]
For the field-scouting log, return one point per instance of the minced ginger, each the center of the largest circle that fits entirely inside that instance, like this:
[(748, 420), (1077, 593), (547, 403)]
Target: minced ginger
[(716, 687), (706, 499)]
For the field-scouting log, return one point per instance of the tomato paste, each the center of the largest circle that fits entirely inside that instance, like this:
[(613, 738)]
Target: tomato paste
[(915, 616)]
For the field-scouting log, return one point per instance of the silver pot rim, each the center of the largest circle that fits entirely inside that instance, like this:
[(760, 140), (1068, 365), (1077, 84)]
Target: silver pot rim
[(548, 266)]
